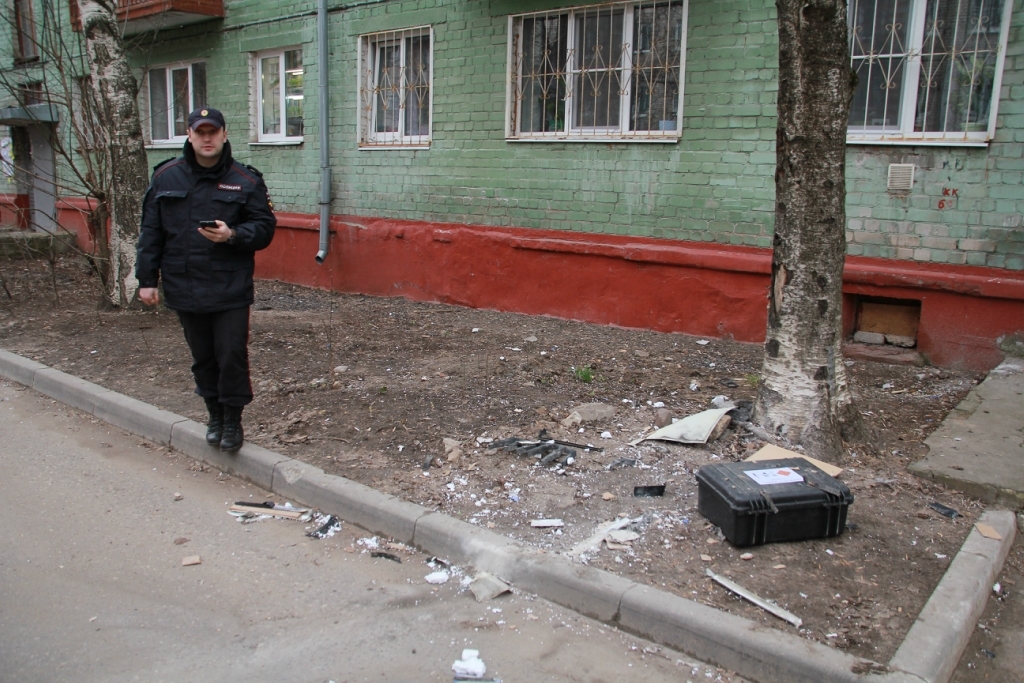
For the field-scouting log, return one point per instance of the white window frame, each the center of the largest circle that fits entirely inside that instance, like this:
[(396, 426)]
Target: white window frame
[(282, 137), (366, 125), (622, 133), (172, 141), (906, 135)]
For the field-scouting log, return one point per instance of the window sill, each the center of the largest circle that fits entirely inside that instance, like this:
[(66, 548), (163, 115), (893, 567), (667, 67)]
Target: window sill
[(392, 146), (664, 140), (167, 145), (917, 142), (292, 142)]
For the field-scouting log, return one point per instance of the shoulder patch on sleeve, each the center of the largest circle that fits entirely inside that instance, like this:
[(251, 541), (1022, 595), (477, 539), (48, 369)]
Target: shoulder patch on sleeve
[(165, 161), (254, 170)]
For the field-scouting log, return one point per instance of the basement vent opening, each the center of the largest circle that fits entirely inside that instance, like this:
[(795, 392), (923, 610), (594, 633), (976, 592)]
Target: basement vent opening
[(901, 177), (887, 321)]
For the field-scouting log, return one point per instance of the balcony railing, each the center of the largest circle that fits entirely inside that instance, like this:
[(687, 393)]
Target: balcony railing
[(139, 16)]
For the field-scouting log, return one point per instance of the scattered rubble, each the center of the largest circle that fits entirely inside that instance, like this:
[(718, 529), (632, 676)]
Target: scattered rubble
[(327, 527), (487, 587)]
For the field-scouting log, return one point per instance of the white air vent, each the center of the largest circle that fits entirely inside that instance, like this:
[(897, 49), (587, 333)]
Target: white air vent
[(901, 177)]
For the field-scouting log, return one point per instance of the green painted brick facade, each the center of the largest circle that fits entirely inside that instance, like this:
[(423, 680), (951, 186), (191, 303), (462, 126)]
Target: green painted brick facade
[(715, 185)]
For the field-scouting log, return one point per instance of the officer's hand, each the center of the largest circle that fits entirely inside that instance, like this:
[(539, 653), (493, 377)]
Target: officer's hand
[(149, 295), (222, 233)]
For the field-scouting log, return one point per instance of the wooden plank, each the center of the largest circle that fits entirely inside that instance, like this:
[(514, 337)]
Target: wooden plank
[(898, 319)]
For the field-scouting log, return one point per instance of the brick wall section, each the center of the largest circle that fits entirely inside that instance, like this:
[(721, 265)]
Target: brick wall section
[(979, 225), (715, 185)]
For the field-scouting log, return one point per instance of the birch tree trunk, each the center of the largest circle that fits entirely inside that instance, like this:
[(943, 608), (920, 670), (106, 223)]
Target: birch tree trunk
[(804, 395), (114, 92)]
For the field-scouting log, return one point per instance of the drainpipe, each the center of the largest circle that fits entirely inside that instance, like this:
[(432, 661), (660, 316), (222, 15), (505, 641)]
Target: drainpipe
[(325, 133)]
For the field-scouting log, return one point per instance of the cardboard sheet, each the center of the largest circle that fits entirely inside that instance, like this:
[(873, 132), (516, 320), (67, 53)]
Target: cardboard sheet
[(770, 452), (690, 430)]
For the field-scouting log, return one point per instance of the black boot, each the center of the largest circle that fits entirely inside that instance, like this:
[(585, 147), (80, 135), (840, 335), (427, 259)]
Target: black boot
[(215, 427), (231, 439)]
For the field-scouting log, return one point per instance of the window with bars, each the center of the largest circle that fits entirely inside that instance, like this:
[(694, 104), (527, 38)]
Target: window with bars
[(280, 97), (174, 92), (602, 72), (395, 90), (929, 71)]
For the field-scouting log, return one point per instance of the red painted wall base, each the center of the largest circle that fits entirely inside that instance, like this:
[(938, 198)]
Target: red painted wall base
[(691, 287), (14, 210), (71, 216)]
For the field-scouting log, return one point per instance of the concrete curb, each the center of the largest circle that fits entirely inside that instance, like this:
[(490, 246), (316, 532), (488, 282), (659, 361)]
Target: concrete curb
[(938, 638), (928, 655)]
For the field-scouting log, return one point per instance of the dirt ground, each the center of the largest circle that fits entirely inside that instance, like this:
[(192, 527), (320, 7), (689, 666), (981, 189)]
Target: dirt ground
[(368, 388)]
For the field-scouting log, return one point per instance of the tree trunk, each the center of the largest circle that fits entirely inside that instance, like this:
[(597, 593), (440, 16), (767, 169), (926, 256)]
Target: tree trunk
[(114, 90), (804, 394)]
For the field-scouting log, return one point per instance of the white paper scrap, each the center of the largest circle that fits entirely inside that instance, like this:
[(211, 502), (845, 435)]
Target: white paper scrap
[(776, 475), (692, 430)]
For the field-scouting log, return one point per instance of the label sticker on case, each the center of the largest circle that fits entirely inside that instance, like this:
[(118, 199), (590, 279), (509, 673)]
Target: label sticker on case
[(777, 475)]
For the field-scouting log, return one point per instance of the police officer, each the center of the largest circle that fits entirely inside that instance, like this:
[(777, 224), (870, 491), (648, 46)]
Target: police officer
[(203, 218)]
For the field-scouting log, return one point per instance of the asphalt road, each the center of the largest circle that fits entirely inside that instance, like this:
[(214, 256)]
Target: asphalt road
[(92, 586)]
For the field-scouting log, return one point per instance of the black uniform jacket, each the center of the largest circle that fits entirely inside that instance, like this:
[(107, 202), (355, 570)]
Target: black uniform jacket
[(201, 276)]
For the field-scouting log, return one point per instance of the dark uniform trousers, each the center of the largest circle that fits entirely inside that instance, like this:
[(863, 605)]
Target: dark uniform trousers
[(209, 284), (220, 350)]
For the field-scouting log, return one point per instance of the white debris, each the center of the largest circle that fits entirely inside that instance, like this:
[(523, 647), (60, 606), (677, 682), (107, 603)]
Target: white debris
[(623, 536), (606, 435), (372, 542), (475, 330), (694, 386), (470, 666), (546, 523), (437, 577), (486, 587), (703, 342)]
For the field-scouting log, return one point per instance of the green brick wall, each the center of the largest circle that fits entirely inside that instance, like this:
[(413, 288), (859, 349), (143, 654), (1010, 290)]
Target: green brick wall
[(981, 224), (715, 185)]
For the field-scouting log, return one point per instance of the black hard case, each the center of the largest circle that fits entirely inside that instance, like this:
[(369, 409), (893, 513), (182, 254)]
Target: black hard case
[(751, 514)]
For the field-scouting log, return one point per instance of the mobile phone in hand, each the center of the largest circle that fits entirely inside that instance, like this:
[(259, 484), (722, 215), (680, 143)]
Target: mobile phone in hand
[(208, 224)]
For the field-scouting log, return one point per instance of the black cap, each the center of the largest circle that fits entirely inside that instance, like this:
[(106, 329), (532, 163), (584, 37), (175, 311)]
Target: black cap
[(205, 115)]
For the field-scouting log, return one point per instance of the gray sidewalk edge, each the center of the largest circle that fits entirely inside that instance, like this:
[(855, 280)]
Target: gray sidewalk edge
[(937, 639), (754, 651)]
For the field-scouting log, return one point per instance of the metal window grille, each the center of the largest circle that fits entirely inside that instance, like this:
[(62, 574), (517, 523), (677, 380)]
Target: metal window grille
[(396, 69), (926, 68), (600, 72)]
